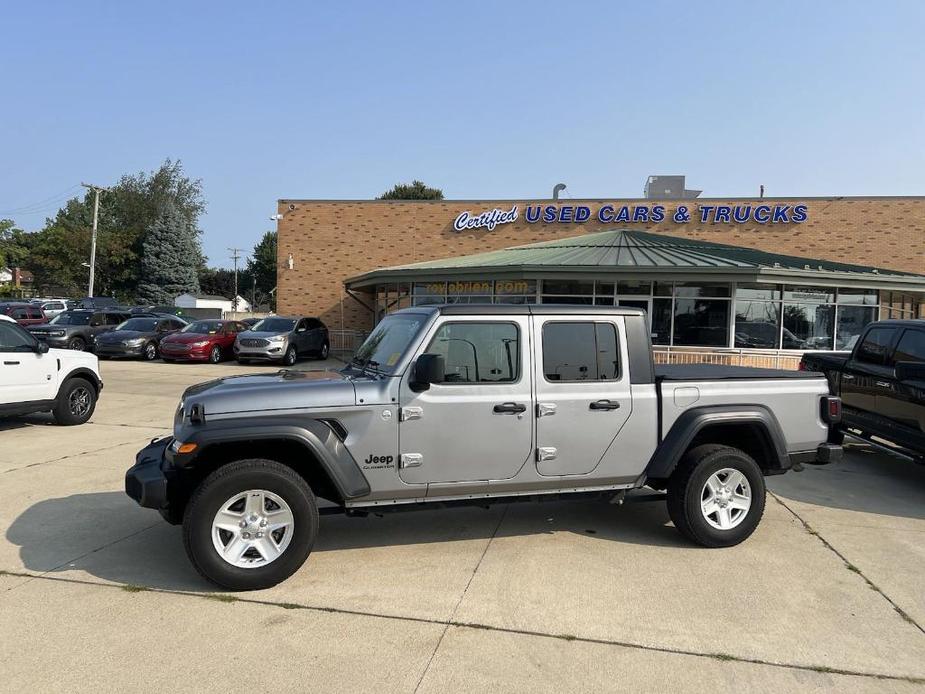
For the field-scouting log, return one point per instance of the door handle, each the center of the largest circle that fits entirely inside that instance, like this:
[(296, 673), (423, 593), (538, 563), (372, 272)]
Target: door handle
[(11, 363), (884, 384), (509, 408), (604, 405), (847, 377)]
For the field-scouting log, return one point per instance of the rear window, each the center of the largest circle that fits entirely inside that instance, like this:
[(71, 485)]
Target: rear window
[(911, 347), (274, 325), (875, 349), (584, 351)]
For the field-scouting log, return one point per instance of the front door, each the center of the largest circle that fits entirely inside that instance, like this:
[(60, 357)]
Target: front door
[(25, 376), (583, 394), (477, 425), (868, 374)]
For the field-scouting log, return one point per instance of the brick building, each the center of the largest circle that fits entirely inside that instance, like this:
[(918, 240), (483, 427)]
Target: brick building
[(324, 243)]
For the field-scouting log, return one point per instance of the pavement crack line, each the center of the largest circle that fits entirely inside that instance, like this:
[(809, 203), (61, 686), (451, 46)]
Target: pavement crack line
[(66, 457), (232, 599), (849, 565), (452, 618)]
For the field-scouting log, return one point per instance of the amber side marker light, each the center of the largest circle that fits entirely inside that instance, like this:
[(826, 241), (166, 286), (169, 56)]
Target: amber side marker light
[(187, 448)]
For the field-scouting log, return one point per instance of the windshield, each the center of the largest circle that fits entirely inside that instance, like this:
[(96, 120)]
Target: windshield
[(142, 325), (274, 325), (68, 318), (204, 327), (388, 341)]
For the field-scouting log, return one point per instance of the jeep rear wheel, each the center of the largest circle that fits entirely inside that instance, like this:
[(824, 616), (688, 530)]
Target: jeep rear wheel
[(251, 524), (716, 496)]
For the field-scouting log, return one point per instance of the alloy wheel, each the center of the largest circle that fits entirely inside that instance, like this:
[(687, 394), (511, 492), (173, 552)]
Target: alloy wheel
[(252, 529), (80, 401), (725, 499)]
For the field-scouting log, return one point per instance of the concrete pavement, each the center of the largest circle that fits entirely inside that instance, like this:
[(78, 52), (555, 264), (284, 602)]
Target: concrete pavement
[(96, 594)]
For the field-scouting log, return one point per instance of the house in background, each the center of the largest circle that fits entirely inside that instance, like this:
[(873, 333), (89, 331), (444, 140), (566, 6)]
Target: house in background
[(212, 301), (16, 277)]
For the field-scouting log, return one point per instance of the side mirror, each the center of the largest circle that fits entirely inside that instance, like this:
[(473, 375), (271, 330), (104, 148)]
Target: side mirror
[(910, 371), (428, 369), (41, 347)]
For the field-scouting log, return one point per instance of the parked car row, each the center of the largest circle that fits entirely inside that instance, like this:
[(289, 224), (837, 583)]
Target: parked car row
[(149, 335)]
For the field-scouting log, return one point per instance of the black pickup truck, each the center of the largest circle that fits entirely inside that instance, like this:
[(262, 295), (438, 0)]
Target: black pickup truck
[(881, 384)]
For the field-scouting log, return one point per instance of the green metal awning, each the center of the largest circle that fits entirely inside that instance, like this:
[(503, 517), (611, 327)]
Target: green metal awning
[(642, 255)]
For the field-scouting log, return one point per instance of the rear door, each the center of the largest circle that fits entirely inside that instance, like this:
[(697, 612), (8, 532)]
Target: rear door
[(477, 425), (582, 391), (868, 374), (907, 404)]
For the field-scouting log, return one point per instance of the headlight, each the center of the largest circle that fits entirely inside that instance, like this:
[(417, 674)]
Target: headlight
[(57, 333), (201, 343), (135, 341), (277, 338)]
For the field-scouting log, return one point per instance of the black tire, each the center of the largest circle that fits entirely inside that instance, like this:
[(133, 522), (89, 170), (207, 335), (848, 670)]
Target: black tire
[(222, 485), (75, 403), (291, 356), (149, 352), (687, 486), (215, 355), (77, 343), (325, 351)]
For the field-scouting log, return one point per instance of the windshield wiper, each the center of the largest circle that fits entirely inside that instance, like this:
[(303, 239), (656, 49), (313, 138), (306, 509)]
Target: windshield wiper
[(364, 364)]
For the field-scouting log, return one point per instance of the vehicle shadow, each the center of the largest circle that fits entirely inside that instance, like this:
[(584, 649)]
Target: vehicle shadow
[(867, 480), (39, 419), (149, 553)]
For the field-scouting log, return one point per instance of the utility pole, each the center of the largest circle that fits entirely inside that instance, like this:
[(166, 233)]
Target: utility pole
[(96, 213), (235, 254)]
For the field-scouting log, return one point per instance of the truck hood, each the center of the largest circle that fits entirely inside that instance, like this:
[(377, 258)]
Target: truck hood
[(114, 336), (280, 390)]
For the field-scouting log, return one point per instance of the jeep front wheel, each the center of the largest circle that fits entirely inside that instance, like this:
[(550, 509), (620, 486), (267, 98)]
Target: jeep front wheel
[(716, 496), (250, 525)]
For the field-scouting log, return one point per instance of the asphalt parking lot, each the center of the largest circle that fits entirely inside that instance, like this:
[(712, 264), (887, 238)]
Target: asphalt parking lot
[(96, 594)]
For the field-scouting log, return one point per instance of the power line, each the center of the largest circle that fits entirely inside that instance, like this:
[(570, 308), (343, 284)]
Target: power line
[(41, 204)]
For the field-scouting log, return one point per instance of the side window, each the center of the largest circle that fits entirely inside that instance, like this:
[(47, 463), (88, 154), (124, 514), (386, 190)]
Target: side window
[(478, 352), (15, 339), (99, 319), (313, 323), (580, 352), (35, 313), (911, 347), (875, 349), (19, 313)]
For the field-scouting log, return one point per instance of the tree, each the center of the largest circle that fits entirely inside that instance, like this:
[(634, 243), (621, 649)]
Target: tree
[(12, 244), (220, 281), (416, 190), (262, 263), (127, 212), (169, 261)]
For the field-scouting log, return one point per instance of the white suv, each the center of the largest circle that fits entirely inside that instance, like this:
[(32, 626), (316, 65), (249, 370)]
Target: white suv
[(34, 378)]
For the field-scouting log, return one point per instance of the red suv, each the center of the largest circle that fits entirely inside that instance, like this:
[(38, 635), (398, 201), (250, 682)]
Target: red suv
[(202, 340), (24, 314)]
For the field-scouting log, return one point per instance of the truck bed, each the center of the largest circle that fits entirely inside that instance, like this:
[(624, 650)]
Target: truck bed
[(722, 372)]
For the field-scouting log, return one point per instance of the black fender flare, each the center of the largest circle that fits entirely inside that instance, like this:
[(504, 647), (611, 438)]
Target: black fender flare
[(696, 419), (85, 373), (316, 437)]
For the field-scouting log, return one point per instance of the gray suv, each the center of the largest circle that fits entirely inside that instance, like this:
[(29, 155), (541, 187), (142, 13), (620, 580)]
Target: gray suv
[(77, 329), (283, 339)]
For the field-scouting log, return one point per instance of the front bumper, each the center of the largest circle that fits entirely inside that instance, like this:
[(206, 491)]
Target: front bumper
[(271, 353), (146, 480), (179, 354), (57, 341), (110, 350)]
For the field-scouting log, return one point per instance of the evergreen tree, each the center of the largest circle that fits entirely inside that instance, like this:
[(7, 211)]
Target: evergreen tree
[(170, 258)]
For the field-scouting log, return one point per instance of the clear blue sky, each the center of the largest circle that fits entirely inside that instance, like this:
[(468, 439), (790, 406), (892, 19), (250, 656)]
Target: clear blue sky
[(303, 100)]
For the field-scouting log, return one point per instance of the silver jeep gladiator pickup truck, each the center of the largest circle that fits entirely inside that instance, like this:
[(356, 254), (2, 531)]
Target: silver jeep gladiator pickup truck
[(472, 404)]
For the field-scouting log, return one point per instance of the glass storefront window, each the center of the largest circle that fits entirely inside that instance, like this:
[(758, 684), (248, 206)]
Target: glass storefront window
[(851, 322), (662, 289), (701, 322), (821, 295), (567, 287), (473, 287), (634, 288), (698, 289), (811, 325), (758, 292), (867, 297), (425, 293), (603, 288), (661, 321), (580, 300), (757, 324), (515, 287)]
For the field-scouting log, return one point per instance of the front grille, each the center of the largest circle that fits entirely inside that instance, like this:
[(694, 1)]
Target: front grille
[(171, 347), (251, 342)]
